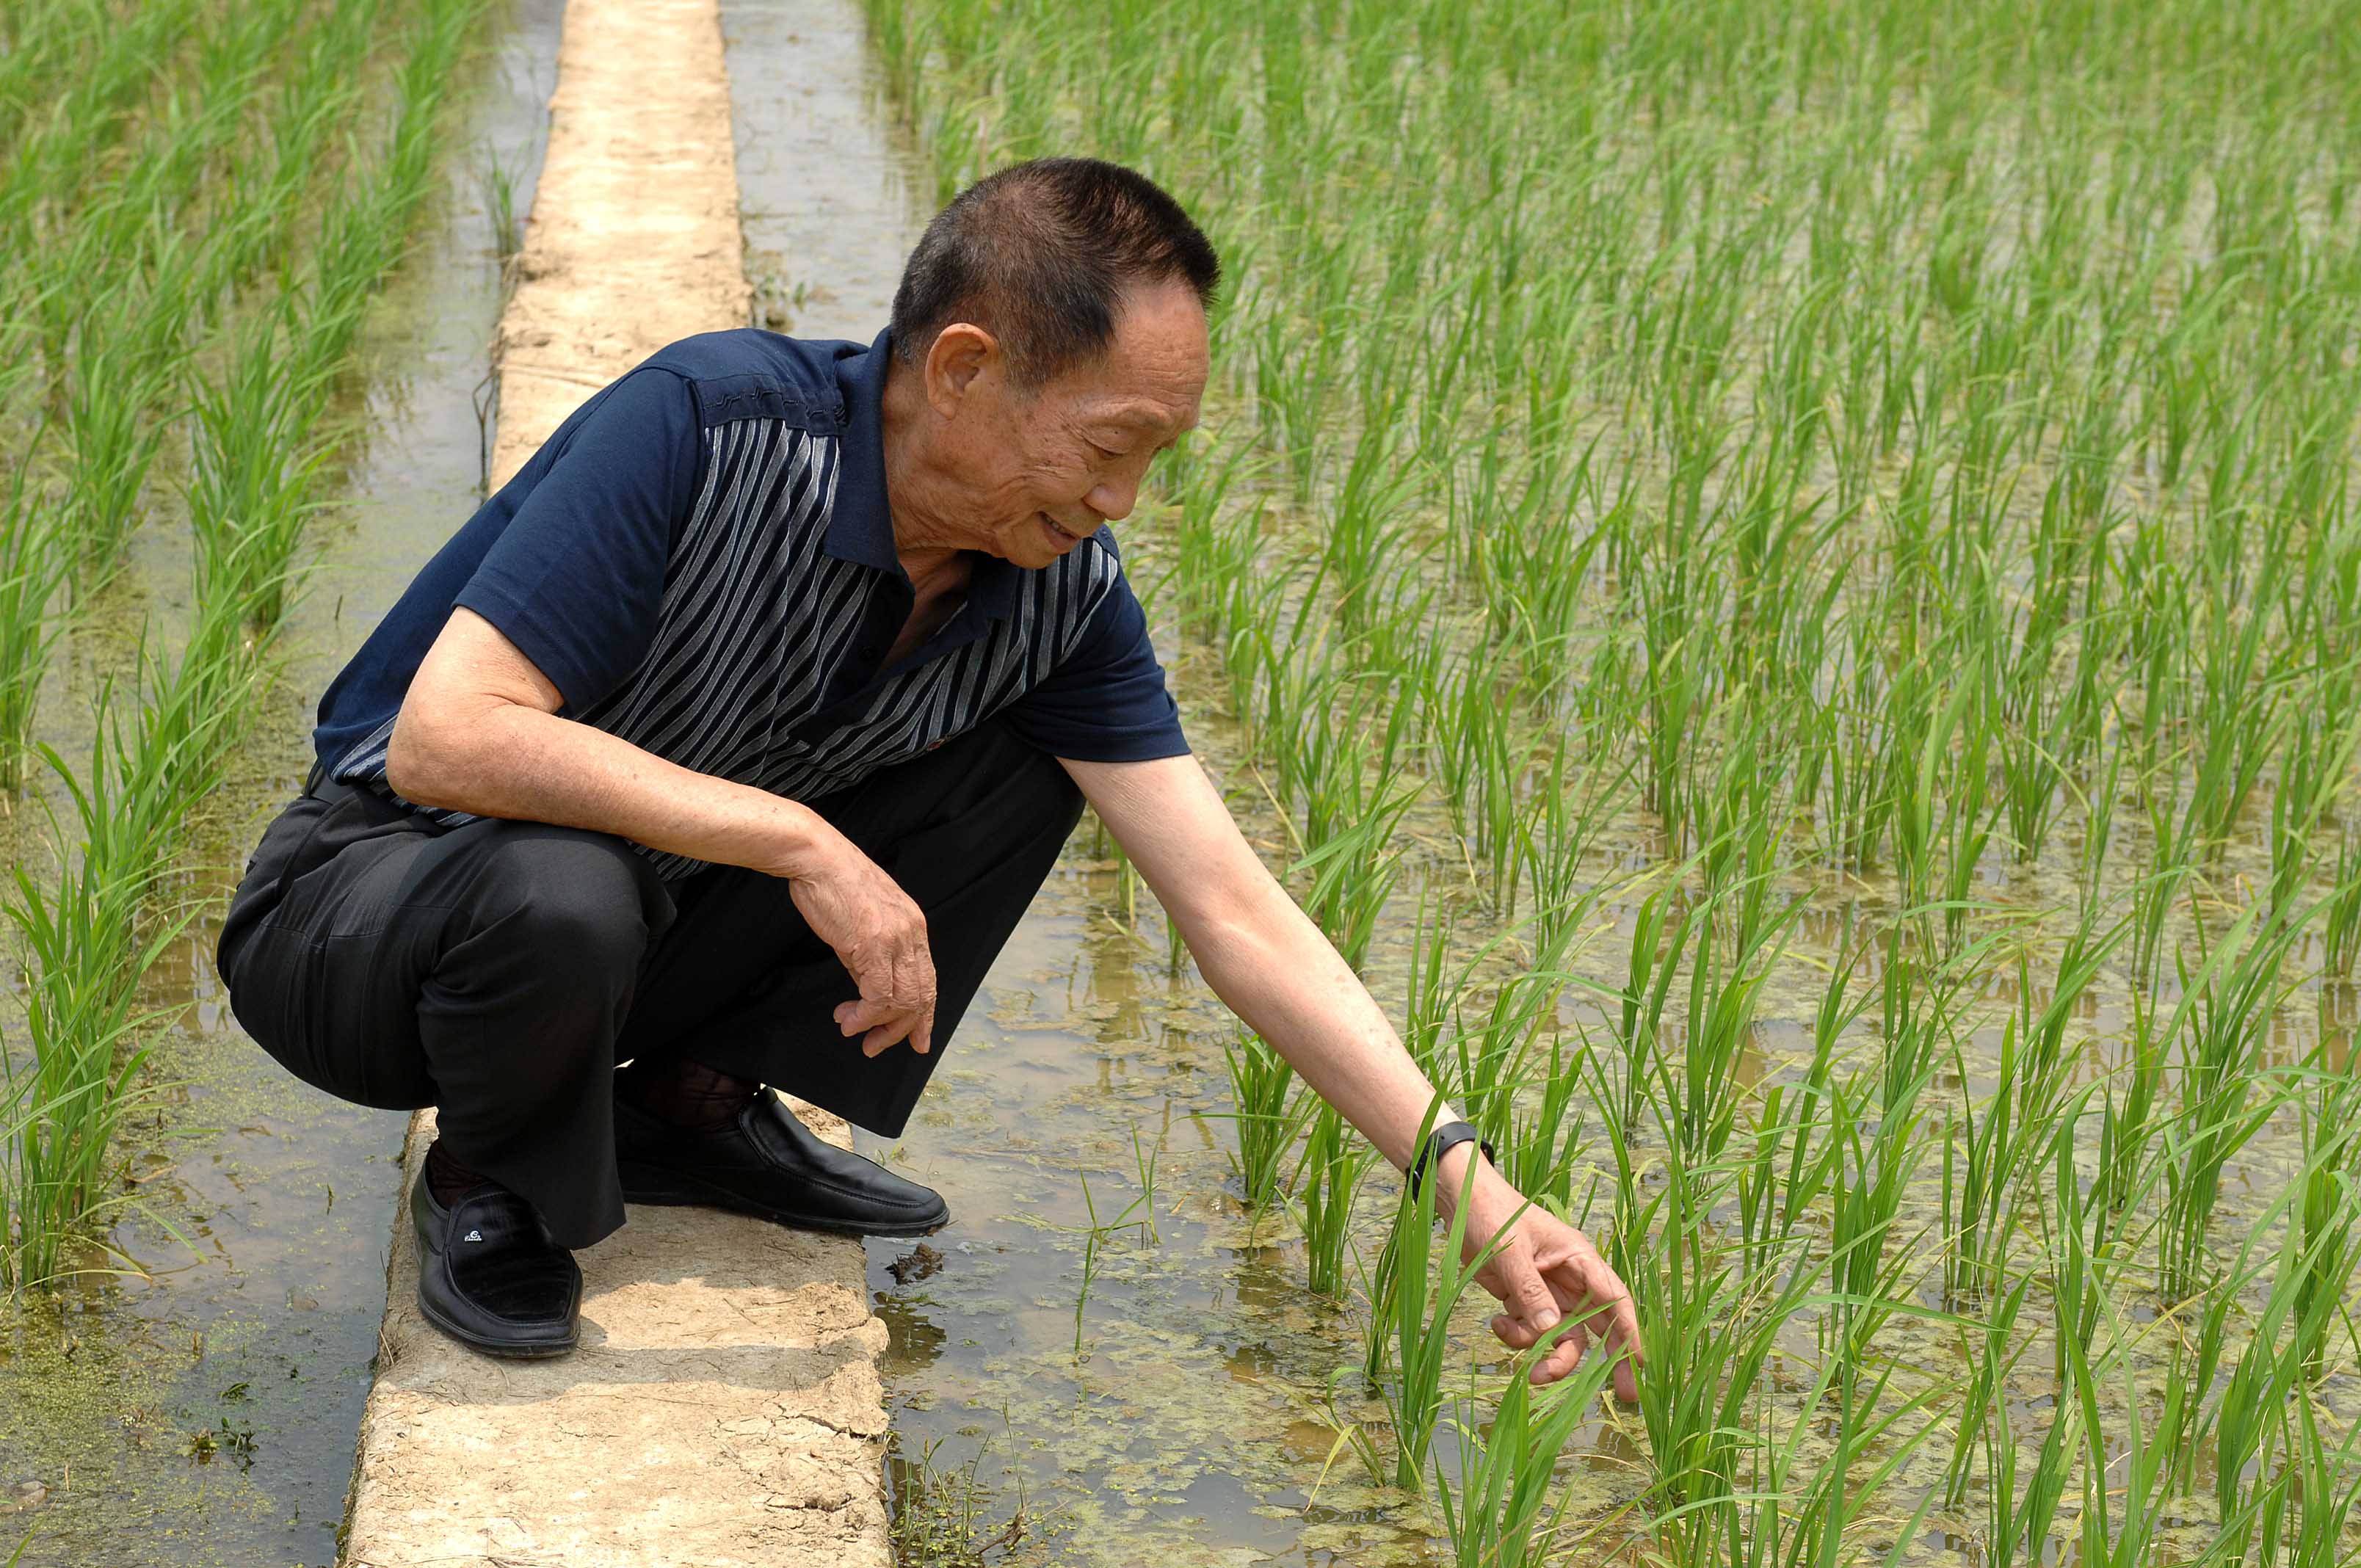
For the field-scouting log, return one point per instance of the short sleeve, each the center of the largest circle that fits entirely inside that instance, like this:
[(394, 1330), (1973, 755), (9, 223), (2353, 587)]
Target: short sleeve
[(576, 580), (1106, 701)]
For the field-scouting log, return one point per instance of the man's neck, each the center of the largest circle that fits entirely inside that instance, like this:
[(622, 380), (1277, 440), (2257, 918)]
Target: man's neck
[(911, 482)]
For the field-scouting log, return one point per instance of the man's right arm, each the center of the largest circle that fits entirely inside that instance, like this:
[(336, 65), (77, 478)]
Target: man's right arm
[(479, 732)]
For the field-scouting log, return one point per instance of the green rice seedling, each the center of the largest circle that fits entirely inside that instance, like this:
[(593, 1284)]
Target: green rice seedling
[(2326, 1483), (1502, 1516), (1433, 996), (2236, 990), (1540, 1152), (1866, 1182), (1709, 1315), (1931, 821), (1327, 1176), (85, 959), (2129, 1125), (1354, 873), (1655, 959), (253, 468), (1558, 834), (1095, 1234), (2313, 768), (2250, 1416), (2126, 1455), (2022, 1498), (116, 380), (2325, 1222), (1267, 1111), (1496, 1057), (1987, 1348), (1143, 1164), (496, 186), (2242, 706), (1699, 1092), (1985, 1171), (1790, 1167), (32, 564), (1708, 1327), (2340, 923)]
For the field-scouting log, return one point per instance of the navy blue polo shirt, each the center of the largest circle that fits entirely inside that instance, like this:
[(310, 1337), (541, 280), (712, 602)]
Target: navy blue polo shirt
[(701, 561)]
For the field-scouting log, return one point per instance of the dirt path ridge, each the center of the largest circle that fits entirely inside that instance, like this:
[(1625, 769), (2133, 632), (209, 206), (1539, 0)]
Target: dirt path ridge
[(724, 1406)]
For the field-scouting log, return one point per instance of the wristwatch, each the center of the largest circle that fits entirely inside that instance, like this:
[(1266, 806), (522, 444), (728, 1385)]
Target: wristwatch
[(1448, 1135)]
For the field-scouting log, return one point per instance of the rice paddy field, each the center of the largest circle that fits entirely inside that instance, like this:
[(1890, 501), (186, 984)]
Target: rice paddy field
[(1783, 579)]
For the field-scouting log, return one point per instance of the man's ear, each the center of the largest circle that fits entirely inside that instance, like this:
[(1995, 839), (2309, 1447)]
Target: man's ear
[(962, 354)]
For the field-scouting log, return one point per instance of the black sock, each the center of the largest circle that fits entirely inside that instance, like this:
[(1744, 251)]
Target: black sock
[(446, 1178), (685, 1094)]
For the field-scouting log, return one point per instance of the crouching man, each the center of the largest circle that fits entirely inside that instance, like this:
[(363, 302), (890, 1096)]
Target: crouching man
[(729, 741)]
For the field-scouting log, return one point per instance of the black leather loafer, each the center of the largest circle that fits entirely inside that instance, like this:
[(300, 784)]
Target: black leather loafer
[(490, 1276), (767, 1164)]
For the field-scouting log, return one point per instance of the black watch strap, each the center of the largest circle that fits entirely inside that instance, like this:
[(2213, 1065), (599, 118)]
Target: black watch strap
[(1447, 1136)]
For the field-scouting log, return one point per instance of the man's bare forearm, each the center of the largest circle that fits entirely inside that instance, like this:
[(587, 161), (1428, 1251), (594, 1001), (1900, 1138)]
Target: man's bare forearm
[(1274, 968), (504, 759)]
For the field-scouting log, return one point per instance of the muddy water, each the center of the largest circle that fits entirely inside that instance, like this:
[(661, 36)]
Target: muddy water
[(267, 1205)]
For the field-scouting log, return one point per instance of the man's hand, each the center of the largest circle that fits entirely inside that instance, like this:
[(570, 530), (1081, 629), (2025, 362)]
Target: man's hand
[(880, 933), (1542, 1271)]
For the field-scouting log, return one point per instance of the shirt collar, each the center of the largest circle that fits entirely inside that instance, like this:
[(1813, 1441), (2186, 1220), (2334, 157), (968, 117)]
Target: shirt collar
[(861, 525)]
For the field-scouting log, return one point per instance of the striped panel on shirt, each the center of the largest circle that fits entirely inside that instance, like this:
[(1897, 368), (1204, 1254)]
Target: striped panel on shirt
[(757, 619)]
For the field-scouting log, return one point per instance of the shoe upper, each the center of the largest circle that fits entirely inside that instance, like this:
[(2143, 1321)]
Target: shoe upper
[(769, 1160), (489, 1261)]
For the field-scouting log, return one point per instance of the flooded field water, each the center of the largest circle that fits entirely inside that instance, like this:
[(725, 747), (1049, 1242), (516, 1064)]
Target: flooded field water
[(205, 1413)]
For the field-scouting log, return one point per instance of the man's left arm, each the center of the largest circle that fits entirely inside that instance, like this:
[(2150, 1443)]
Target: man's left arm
[(1267, 960)]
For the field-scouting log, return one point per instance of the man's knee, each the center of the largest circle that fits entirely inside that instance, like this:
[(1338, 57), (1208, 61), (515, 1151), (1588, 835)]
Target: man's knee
[(578, 903)]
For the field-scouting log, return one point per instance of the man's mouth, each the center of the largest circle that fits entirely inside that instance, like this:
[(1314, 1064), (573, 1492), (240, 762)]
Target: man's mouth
[(1059, 530)]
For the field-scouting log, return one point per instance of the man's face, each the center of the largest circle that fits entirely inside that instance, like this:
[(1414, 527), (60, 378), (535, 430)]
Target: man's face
[(1049, 464)]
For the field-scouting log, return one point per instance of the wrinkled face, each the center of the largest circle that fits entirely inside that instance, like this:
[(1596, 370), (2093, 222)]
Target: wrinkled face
[(1042, 467)]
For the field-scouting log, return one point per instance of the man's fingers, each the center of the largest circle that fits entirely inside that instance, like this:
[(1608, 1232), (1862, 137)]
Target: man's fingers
[(1529, 1297), (1562, 1357), (1512, 1332), (914, 977), (1589, 1287), (885, 1034)]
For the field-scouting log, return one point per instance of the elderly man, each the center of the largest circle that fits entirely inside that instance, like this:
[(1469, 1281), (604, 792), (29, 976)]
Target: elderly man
[(763, 698)]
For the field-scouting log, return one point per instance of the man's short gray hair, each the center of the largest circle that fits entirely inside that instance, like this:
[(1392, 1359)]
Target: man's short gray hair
[(1040, 255)]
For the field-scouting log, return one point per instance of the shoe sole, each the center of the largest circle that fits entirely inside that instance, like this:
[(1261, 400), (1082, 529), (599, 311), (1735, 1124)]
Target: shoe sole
[(675, 1189)]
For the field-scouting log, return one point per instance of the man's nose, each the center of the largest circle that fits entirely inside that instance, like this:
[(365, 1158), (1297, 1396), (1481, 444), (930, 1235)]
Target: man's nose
[(1113, 498)]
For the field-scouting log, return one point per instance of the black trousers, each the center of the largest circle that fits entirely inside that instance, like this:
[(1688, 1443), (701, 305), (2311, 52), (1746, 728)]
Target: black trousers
[(499, 969)]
